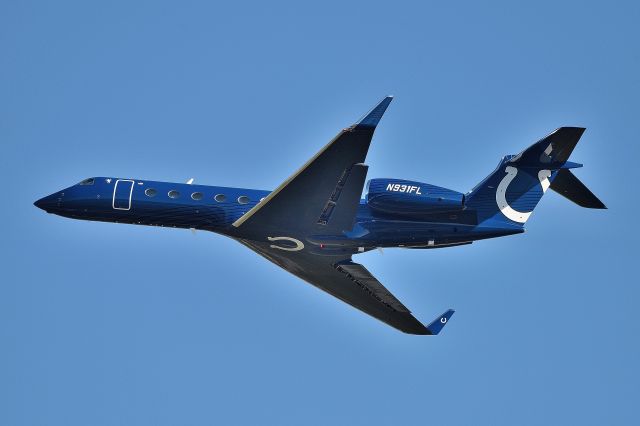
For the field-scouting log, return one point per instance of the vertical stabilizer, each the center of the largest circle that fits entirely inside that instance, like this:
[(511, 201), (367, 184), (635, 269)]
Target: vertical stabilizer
[(512, 191)]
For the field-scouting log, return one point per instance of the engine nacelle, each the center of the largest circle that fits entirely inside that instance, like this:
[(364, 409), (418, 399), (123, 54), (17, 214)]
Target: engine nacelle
[(400, 196)]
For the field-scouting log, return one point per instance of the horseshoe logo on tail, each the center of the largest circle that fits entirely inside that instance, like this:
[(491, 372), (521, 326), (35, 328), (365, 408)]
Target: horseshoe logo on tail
[(501, 194)]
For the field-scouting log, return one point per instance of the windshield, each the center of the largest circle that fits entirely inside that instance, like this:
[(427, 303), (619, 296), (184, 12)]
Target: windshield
[(87, 181)]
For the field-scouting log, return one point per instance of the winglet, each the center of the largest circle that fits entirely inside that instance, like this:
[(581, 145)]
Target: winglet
[(372, 118), (439, 323)]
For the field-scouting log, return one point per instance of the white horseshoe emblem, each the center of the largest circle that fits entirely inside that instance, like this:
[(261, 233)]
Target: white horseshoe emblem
[(501, 193), (443, 320), (299, 244)]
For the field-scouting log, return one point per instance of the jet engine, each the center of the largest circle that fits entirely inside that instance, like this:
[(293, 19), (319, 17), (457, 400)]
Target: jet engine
[(399, 196)]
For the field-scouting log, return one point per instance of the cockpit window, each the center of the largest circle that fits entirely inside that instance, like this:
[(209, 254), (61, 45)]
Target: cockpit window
[(89, 181)]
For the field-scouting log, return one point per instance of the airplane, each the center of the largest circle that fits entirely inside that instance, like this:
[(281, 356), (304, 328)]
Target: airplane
[(316, 221)]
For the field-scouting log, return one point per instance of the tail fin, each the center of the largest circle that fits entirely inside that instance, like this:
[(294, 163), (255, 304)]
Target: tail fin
[(512, 191)]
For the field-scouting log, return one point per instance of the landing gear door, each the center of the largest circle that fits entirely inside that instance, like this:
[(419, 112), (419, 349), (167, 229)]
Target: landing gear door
[(122, 192)]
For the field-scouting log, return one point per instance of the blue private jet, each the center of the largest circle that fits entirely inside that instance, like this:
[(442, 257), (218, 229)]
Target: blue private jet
[(316, 221)]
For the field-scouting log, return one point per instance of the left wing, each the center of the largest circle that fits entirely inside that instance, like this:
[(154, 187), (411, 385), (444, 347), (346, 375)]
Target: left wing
[(352, 283), (323, 195)]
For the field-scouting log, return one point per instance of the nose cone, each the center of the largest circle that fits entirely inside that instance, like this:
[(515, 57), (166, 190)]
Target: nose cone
[(48, 203)]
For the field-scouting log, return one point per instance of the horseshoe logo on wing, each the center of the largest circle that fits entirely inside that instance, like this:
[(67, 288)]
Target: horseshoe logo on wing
[(299, 245)]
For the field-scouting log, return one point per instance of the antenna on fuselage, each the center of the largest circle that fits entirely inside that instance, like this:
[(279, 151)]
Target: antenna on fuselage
[(193, 230)]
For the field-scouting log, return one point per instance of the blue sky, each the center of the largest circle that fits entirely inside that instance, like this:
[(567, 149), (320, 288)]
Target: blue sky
[(105, 324)]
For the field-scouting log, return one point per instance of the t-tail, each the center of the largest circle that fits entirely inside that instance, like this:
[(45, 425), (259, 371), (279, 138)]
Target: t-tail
[(509, 194)]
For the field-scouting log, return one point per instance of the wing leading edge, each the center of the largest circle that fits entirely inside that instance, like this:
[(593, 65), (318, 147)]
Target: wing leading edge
[(353, 284)]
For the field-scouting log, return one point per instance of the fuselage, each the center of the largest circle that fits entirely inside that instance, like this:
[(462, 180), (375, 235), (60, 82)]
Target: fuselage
[(216, 208)]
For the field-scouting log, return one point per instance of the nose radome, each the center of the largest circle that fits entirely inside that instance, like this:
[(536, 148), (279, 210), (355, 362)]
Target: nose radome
[(47, 203)]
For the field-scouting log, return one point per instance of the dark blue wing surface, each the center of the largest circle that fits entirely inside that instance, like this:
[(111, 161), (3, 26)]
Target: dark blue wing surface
[(350, 282), (322, 196)]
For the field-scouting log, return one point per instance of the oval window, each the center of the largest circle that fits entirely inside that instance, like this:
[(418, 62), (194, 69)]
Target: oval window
[(243, 199), (221, 198), (173, 194), (150, 192), (197, 196)]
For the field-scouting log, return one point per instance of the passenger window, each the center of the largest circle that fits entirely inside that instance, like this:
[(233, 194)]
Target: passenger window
[(220, 198), (243, 199), (173, 194), (150, 192), (87, 182), (197, 196)]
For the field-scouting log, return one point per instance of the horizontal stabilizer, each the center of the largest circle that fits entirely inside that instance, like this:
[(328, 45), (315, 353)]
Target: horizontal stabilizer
[(570, 187), (439, 323), (552, 151)]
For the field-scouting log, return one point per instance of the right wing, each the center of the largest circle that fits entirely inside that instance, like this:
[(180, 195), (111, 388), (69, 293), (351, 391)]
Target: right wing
[(352, 283)]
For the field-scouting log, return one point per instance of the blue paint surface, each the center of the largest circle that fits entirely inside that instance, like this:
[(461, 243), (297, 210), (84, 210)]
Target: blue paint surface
[(111, 324)]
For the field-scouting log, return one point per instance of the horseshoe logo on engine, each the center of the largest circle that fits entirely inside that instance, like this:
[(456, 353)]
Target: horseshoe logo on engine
[(299, 244)]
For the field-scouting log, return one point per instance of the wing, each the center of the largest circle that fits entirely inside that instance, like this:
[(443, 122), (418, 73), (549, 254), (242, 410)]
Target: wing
[(323, 195), (352, 283)]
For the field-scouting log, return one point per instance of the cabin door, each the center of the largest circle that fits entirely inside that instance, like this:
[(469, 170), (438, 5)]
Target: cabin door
[(122, 194)]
